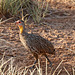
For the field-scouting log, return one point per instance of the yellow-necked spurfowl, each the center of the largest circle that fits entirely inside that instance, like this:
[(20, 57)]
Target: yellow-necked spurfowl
[(36, 44)]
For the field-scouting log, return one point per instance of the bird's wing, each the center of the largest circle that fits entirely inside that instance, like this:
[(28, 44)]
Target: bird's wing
[(39, 44)]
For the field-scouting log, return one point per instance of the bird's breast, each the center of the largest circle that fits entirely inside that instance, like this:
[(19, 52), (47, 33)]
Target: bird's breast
[(24, 41)]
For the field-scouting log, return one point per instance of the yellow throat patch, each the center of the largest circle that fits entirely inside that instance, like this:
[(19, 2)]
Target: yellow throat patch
[(21, 28)]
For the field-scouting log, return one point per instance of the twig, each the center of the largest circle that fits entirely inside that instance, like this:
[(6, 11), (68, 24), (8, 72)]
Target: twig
[(59, 71), (6, 20), (51, 71), (2, 14), (73, 71), (66, 70), (6, 54), (70, 49), (46, 66), (57, 67), (5, 41), (5, 62)]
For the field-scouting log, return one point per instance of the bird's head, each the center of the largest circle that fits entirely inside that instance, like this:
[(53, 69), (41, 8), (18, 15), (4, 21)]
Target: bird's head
[(21, 25)]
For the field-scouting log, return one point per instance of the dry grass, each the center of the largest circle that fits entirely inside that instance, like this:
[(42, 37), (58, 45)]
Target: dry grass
[(7, 68), (61, 1)]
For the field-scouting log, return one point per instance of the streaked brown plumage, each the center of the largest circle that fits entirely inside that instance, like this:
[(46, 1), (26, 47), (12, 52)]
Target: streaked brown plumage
[(36, 44)]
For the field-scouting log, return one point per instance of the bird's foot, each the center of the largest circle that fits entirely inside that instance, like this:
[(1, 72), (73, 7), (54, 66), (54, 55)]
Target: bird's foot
[(34, 64), (50, 65), (32, 67)]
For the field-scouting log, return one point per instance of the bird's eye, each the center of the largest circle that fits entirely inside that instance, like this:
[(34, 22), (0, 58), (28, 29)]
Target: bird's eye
[(19, 22)]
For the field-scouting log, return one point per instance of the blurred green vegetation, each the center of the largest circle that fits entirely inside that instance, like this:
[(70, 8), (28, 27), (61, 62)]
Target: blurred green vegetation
[(20, 8)]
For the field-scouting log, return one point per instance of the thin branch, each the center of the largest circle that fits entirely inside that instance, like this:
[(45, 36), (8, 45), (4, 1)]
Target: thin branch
[(6, 20), (57, 67), (59, 71), (73, 71), (66, 70), (70, 49)]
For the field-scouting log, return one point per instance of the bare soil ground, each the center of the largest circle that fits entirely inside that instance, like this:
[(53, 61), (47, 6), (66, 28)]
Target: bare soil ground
[(58, 27)]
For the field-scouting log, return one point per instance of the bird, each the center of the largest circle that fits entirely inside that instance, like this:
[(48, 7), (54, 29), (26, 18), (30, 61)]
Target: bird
[(35, 43)]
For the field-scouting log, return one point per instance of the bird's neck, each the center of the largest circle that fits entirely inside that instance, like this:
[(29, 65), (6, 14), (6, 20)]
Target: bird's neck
[(22, 30), (23, 34)]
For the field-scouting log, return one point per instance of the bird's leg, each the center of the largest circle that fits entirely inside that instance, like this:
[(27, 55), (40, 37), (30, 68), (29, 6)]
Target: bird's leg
[(36, 56), (48, 60), (34, 64), (36, 61)]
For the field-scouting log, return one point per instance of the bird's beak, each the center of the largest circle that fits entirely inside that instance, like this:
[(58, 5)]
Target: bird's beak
[(15, 22)]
